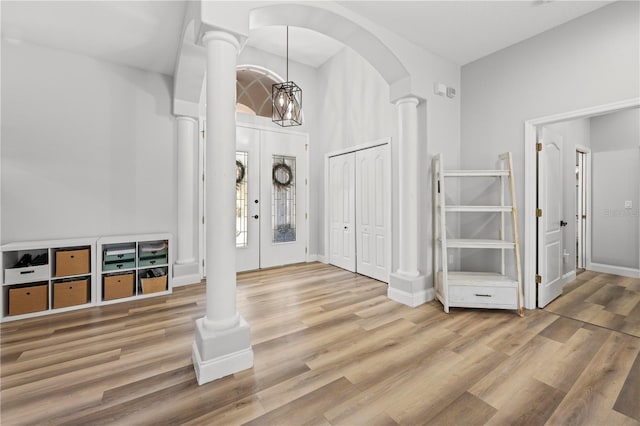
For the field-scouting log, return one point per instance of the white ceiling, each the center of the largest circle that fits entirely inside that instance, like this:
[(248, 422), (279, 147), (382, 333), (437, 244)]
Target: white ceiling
[(464, 31), (146, 34)]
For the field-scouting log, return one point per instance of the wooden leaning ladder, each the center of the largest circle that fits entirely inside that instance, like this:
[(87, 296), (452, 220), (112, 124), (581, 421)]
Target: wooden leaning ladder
[(467, 288)]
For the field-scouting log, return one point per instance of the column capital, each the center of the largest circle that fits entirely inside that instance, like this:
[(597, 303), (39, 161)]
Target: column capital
[(408, 100), (221, 36), (186, 118)]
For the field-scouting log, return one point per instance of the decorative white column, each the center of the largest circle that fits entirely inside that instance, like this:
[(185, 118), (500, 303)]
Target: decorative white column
[(406, 285), (187, 188), (223, 341)]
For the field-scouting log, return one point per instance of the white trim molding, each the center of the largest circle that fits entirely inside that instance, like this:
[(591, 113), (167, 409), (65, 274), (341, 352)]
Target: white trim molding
[(411, 299), (615, 270), (530, 237)]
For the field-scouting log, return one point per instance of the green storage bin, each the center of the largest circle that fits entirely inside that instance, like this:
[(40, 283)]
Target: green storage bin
[(126, 257), (117, 266), (156, 260)]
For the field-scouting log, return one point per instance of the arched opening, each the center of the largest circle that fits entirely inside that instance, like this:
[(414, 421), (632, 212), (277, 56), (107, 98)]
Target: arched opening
[(253, 90)]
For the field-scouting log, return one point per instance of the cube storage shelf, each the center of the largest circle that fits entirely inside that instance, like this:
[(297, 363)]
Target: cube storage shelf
[(44, 277), (133, 267)]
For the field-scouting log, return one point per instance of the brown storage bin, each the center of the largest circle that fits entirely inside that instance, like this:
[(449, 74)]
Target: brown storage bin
[(24, 300), (118, 286), (72, 262), (70, 293), (154, 285)]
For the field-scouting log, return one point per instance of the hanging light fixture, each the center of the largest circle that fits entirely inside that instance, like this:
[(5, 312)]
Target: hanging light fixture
[(286, 100)]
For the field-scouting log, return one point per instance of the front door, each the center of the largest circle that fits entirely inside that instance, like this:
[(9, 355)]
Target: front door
[(247, 199), (283, 199), (551, 222)]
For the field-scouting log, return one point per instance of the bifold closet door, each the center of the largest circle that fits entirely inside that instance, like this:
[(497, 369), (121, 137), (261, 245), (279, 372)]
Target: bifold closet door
[(341, 193), (372, 210)]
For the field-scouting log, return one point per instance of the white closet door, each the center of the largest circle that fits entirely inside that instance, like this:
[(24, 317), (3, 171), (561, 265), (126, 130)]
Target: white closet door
[(283, 205), (342, 249), (372, 207)]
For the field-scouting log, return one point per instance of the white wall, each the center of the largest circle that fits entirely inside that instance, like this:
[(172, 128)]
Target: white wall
[(589, 61), (355, 109), (616, 179), (88, 147)]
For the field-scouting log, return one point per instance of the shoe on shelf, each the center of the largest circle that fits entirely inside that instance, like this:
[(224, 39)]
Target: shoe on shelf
[(24, 261), (41, 259)]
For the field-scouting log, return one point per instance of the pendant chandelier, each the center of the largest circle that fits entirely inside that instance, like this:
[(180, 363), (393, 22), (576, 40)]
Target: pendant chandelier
[(286, 100)]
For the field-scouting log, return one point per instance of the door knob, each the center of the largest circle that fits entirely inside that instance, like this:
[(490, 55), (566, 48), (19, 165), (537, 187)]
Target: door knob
[(563, 223), (255, 217), (346, 227), (255, 201)]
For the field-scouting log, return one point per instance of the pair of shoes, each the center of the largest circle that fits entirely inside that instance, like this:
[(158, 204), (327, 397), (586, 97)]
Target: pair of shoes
[(41, 259), (24, 261)]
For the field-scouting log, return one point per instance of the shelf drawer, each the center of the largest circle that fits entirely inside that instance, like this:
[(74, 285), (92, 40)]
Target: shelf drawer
[(70, 293), (483, 295), (24, 300), (153, 285), (118, 286), (26, 274), (119, 265), (161, 259), (72, 262)]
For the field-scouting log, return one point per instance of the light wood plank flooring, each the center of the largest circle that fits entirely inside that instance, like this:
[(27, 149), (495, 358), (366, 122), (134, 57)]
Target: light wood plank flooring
[(330, 348), (610, 301)]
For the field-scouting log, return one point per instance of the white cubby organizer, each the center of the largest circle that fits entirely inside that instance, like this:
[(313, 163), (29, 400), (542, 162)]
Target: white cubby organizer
[(46, 275), (123, 261), (55, 287)]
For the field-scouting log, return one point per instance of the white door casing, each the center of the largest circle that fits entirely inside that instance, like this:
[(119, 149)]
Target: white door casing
[(372, 209), (283, 214), (342, 211), (549, 229), (248, 250)]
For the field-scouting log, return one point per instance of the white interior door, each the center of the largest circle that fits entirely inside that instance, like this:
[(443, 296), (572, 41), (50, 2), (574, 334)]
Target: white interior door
[(372, 211), (341, 194), (283, 201), (549, 225), (247, 199)]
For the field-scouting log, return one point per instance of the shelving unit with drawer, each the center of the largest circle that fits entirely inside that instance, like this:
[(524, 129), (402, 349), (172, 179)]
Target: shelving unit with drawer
[(44, 277), (134, 267)]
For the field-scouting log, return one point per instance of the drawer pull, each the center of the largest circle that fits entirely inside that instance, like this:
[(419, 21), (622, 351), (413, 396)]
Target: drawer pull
[(152, 262), (483, 295), (120, 256), (72, 257), (27, 272), (120, 265)]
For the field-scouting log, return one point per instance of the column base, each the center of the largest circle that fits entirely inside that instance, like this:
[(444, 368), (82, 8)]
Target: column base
[(185, 273), (220, 353), (410, 291)]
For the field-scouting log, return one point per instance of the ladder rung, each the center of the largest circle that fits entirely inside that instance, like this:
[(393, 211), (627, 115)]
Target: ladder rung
[(474, 173), (478, 209), (473, 243)]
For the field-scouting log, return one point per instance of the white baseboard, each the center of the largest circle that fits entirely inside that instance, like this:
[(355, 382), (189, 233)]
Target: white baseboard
[(615, 270), (411, 299), (568, 277), (186, 280), (312, 258), (323, 259)]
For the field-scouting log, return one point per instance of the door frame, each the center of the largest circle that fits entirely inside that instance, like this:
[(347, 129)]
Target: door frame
[(251, 122), (530, 191), (586, 242), (327, 225)]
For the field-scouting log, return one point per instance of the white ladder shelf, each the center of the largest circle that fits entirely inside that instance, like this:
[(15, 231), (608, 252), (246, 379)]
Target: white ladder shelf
[(470, 289)]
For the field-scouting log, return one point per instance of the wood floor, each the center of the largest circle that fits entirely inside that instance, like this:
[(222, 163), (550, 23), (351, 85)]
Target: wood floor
[(610, 301), (330, 348)]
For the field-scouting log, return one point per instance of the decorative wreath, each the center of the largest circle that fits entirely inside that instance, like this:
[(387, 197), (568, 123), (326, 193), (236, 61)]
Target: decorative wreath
[(282, 175), (239, 172)]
